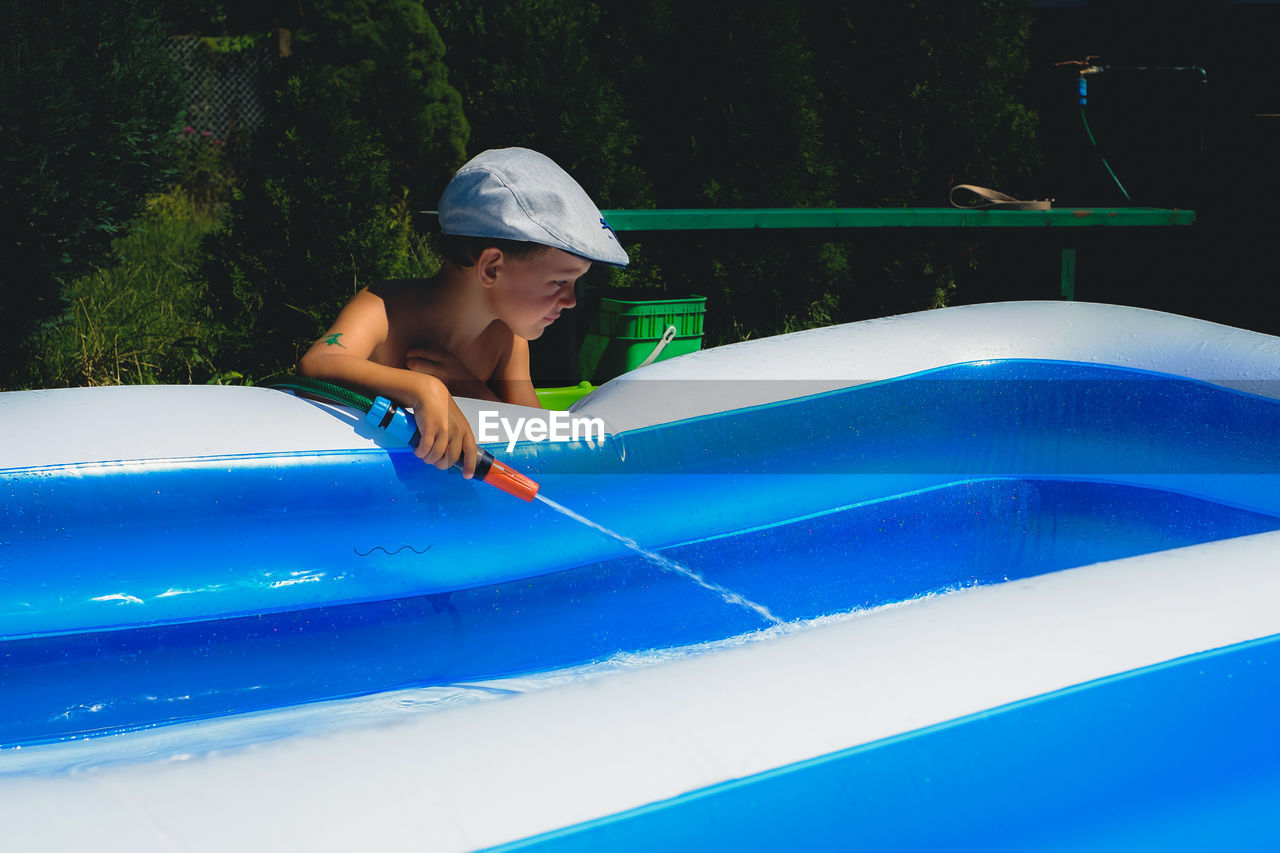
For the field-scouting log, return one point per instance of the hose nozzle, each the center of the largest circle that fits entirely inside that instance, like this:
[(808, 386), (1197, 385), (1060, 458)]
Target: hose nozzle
[(397, 423), (504, 477)]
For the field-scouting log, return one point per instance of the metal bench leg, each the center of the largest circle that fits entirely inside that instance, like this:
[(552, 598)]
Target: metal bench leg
[(1069, 274)]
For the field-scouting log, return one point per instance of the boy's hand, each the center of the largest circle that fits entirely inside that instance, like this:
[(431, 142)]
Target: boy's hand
[(446, 435)]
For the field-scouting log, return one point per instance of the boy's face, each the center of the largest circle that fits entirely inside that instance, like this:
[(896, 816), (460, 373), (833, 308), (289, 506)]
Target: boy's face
[(530, 292)]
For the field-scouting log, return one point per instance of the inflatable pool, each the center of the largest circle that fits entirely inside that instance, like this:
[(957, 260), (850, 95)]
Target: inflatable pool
[(1025, 557)]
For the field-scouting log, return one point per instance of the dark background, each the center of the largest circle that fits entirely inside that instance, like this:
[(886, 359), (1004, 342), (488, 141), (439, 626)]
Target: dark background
[(762, 103), (1173, 141)]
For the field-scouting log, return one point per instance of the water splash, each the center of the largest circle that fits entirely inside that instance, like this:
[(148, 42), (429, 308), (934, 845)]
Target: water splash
[(667, 564)]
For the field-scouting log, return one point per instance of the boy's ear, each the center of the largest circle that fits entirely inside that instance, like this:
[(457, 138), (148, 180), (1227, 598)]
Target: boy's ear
[(488, 265)]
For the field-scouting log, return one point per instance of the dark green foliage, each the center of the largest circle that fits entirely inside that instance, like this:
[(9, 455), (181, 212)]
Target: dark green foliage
[(732, 117), (383, 62), (921, 95), (89, 117), (760, 103), (848, 104), (140, 318), (232, 17), (205, 176), (543, 74), (365, 128), (727, 101)]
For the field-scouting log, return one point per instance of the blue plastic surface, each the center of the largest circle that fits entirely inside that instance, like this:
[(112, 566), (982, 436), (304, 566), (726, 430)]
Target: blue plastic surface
[(891, 550), (138, 594), (1172, 757)]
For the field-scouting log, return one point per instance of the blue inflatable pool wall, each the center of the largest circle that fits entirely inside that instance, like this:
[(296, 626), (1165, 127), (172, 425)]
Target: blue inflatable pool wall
[(173, 555)]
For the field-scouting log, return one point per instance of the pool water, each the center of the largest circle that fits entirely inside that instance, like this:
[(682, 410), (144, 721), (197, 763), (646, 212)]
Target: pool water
[(140, 593), (858, 556)]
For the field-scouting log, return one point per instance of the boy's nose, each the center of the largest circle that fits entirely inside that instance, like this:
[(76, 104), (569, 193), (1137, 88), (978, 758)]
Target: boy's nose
[(567, 298)]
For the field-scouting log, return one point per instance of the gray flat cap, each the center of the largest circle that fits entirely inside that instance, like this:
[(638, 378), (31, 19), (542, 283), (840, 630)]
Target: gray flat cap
[(518, 194)]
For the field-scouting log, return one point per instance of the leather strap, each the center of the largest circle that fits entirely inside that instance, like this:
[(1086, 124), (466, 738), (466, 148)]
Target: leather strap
[(996, 199)]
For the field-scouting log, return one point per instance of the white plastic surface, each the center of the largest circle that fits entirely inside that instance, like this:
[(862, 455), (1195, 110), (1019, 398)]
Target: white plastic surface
[(503, 770), (163, 422), (810, 362)]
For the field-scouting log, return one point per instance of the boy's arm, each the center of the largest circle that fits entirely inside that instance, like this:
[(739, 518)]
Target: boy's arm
[(511, 380), (445, 366), (343, 354)]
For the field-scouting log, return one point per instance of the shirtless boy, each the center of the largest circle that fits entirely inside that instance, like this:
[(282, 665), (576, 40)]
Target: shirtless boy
[(519, 232)]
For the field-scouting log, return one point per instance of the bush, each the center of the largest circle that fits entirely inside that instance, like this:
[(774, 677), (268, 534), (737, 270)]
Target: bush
[(88, 106), (544, 74), (744, 81), (205, 177), (364, 129), (921, 95), (140, 318), (761, 103), (855, 105)]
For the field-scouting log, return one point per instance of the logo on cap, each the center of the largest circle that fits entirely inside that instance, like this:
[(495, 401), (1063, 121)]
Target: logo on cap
[(606, 226)]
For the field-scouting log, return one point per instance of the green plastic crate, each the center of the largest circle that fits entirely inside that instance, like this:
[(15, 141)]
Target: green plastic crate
[(649, 318), (625, 332)]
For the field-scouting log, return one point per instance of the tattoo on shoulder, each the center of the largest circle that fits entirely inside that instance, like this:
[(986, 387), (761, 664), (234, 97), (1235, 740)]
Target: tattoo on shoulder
[(332, 340)]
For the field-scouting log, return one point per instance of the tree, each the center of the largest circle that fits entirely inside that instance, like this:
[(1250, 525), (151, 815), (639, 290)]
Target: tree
[(729, 114), (365, 130), (89, 111), (541, 74), (920, 95), (761, 103)]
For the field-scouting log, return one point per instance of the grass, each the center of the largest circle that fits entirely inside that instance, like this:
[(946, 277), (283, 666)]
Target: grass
[(141, 319), (144, 317)]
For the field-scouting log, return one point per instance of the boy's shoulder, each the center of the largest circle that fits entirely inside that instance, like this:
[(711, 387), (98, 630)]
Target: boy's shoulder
[(401, 288), (404, 301)]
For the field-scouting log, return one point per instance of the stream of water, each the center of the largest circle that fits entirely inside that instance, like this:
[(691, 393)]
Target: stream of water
[(666, 564)]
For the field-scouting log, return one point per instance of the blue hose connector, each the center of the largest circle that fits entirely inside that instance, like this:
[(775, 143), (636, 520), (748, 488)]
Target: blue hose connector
[(394, 421), (400, 425)]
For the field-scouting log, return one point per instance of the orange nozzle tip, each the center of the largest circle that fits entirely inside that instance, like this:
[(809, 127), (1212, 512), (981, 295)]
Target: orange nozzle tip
[(512, 482)]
